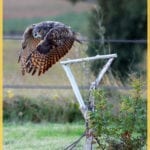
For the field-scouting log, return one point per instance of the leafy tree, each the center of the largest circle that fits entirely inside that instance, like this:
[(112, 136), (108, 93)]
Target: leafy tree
[(117, 19), (122, 20)]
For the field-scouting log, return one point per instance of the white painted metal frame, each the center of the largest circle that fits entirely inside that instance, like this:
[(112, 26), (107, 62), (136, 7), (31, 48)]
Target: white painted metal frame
[(74, 87), (94, 85), (66, 67)]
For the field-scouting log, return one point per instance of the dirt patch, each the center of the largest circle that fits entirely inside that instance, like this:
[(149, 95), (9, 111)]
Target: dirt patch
[(41, 8)]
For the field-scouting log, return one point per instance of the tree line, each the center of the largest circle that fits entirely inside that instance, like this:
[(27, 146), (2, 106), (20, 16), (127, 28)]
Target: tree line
[(119, 20)]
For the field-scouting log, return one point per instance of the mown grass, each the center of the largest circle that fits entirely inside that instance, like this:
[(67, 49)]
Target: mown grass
[(44, 136), (78, 21)]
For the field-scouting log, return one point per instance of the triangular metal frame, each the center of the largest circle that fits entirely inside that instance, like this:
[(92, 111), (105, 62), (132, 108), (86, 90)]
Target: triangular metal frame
[(94, 85)]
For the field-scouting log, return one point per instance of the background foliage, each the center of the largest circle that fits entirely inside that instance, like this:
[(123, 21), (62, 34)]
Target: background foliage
[(122, 20), (20, 108), (126, 129), (119, 20)]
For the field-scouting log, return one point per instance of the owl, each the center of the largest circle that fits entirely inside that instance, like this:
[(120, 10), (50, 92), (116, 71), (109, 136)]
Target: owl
[(44, 44)]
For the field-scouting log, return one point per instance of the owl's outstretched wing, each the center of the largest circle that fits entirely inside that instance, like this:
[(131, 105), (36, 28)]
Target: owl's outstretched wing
[(55, 45), (29, 44)]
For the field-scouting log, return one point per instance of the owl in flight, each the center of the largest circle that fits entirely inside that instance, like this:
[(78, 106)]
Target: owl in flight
[(44, 44)]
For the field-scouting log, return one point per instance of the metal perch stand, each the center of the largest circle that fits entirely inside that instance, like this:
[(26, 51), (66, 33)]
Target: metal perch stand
[(94, 85)]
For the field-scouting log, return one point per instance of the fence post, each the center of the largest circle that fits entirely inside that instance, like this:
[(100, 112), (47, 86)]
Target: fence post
[(94, 85)]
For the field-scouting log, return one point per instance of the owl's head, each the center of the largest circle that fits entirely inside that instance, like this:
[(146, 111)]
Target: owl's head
[(39, 31)]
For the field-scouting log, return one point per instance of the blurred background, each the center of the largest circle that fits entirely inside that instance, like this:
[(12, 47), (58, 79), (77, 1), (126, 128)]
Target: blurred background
[(120, 30), (107, 27), (18, 17)]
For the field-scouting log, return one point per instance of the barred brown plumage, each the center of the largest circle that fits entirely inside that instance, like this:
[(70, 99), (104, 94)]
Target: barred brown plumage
[(44, 44)]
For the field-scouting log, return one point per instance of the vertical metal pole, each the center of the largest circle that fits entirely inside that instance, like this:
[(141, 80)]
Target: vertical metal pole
[(88, 145)]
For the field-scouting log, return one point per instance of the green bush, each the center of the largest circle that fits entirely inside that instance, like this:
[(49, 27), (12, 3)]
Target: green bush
[(125, 130), (41, 109)]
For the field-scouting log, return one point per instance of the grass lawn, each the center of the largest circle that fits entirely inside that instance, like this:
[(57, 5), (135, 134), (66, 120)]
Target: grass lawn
[(44, 136), (17, 17), (78, 22)]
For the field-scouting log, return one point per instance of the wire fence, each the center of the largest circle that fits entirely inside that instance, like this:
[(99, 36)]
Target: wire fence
[(135, 41), (62, 87)]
